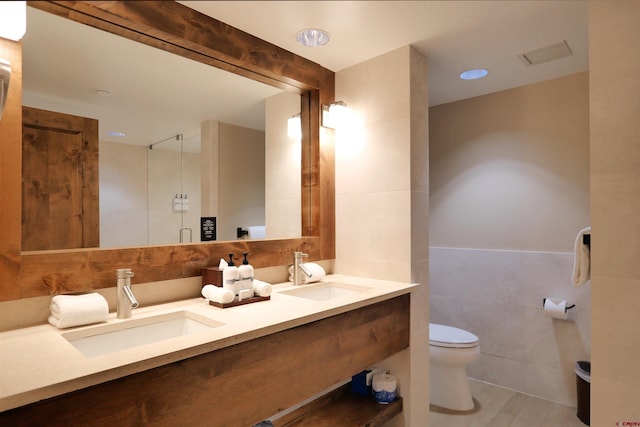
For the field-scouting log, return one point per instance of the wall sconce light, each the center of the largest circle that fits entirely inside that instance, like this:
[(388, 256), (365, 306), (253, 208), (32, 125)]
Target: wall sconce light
[(13, 19), (5, 75), (336, 115), (294, 127), (13, 24)]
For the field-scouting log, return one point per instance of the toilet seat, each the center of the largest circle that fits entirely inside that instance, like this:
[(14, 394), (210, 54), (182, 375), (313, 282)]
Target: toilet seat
[(450, 337)]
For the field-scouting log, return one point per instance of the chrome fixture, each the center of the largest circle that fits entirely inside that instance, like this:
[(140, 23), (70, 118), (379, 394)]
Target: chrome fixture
[(5, 76), (298, 267), (125, 300), (474, 74), (335, 115), (313, 37)]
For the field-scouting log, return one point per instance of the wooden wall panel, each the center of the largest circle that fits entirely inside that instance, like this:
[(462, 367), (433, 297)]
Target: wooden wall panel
[(60, 202), (66, 271), (10, 175), (238, 385)]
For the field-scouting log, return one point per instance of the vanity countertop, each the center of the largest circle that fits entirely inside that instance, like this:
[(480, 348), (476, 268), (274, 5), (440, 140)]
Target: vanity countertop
[(38, 362)]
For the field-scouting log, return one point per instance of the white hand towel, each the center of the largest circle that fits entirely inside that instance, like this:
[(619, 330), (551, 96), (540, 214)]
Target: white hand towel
[(217, 294), (257, 232), (77, 310), (582, 259), (260, 288), (316, 270)]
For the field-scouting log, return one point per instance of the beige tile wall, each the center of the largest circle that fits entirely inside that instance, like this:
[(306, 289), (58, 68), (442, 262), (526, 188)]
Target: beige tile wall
[(382, 197), (123, 195), (282, 171), (614, 62), (497, 295)]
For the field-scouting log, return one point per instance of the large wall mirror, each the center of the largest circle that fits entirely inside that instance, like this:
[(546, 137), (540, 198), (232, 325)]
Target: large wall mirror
[(175, 29), (179, 140)]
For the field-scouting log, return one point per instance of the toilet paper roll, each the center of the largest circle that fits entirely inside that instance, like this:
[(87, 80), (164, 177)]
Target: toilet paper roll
[(384, 388), (555, 308)]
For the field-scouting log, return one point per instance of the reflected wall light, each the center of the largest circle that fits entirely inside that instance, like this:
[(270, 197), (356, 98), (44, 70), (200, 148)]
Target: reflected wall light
[(13, 19), (294, 127), (13, 24), (336, 115)]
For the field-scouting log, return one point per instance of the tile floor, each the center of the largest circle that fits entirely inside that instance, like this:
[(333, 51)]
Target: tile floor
[(498, 407)]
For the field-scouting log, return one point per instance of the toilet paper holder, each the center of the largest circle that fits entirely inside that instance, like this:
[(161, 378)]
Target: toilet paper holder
[(566, 308)]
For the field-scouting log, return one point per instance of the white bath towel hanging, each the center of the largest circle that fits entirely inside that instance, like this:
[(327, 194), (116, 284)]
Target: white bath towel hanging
[(582, 259)]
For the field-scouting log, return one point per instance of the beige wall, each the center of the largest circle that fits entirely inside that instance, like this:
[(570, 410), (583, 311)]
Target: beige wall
[(497, 295), (123, 195), (241, 179), (382, 198), (510, 170), (614, 62), (282, 158)]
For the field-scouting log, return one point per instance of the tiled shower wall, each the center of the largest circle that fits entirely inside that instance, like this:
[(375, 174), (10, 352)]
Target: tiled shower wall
[(498, 296)]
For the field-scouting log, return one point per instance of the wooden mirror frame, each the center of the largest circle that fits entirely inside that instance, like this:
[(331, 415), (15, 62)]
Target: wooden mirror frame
[(178, 29)]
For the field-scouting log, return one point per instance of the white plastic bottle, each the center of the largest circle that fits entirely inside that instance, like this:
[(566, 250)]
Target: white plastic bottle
[(231, 276), (246, 275)]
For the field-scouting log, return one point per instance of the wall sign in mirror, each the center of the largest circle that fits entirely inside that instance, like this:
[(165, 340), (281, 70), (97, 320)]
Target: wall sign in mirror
[(234, 161)]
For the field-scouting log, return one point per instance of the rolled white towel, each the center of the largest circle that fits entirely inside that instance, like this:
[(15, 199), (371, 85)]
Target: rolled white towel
[(261, 289), (218, 294), (76, 310), (582, 259), (316, 270)]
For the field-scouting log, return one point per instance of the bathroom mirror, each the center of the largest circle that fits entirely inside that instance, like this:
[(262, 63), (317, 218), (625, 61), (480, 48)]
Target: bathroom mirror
[(140, 100), (175, 28)]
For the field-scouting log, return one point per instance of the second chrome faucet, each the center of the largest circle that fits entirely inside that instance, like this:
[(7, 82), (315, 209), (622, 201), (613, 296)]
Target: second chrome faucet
[(299, 268)]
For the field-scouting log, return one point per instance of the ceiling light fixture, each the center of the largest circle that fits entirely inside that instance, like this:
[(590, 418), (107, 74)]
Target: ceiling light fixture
[(313, 37), (473, 74), (116, 134)]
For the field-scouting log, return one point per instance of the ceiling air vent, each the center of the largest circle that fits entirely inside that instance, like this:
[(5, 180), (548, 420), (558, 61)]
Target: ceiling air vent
[(546, 54)]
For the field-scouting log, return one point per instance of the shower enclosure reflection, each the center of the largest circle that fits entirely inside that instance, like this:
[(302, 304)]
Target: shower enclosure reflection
[(173, 190)]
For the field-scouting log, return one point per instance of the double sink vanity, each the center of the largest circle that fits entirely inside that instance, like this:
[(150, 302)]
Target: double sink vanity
[(187, 361)]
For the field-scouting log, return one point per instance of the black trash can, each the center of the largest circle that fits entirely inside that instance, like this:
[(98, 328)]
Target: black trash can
[(583, 384)]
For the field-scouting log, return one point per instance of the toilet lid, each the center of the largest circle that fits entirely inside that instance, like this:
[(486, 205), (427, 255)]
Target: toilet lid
[(448, 336)]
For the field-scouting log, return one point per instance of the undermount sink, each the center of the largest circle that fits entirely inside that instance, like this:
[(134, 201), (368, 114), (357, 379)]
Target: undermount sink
[(105, 339), (325, 291)]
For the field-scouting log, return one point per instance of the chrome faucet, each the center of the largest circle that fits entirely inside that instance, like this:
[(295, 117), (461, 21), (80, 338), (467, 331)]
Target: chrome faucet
[(125, 300), (298, 267)]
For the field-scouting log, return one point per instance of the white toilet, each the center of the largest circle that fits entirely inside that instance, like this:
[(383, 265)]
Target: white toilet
[(450, 351)]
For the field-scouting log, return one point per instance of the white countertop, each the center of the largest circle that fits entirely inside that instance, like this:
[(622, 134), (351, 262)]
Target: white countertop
[(38, 362)]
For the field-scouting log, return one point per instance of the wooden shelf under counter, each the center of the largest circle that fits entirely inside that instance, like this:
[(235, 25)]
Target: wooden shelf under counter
[(342, 408)]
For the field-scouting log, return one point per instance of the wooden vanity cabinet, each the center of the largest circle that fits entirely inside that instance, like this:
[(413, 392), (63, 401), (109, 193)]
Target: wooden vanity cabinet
[(237, 385)]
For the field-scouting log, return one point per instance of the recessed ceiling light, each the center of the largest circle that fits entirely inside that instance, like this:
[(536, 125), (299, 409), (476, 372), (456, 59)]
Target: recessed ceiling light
[(473, 74), (116, 134), (103, 92), (313, 37)]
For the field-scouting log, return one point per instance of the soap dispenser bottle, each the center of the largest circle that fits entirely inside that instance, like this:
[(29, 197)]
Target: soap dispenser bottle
[(230, 276), (246, 269), (246, 276)]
